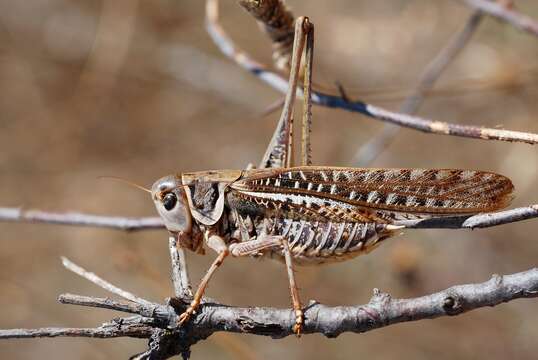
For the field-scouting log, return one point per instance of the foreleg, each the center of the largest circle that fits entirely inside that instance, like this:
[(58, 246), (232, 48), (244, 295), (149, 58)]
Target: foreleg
[(216, 243), (252, 247)]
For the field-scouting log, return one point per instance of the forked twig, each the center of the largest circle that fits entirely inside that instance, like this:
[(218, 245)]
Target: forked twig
[(163, 313), (277, 81), (80, 219), (71, 266), (156, 322), (159, 322), (367, 153), (508, 15)]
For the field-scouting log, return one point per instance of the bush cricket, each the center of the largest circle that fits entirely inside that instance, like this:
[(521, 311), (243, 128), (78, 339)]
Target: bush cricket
[(310, 214)]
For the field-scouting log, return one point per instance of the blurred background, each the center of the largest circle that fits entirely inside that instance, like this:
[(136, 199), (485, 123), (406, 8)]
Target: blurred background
[(137, 89)]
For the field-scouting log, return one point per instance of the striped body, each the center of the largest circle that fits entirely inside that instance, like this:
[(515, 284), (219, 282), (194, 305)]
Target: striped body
[(332, 214), (313, 242), (375, 194)]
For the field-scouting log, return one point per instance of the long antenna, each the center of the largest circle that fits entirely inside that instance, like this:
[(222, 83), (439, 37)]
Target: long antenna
[(126, 182)]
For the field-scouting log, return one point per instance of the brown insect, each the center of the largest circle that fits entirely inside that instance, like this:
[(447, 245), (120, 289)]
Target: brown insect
[(310, 214)]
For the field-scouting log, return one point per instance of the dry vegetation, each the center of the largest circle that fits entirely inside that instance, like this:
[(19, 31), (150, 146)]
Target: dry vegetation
[(137, 89)]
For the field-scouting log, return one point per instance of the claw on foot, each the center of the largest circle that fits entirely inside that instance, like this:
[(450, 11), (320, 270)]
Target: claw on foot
[(183, 318), (299, 321)]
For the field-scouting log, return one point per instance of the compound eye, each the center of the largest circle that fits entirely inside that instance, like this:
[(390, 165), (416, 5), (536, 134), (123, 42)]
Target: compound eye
[(169, 201)]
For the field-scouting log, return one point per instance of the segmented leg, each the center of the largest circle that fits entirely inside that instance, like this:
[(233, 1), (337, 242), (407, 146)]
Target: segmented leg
[(252, 247), (279, 153), (195, 303), (306, 150), (216, 243), (299, 316)]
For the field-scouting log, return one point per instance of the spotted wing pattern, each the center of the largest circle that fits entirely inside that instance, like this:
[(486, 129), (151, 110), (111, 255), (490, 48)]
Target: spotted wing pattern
[(375, 195)]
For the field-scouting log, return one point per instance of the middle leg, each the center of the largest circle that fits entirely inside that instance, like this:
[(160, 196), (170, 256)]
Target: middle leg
[(252, 247), (297, 307)]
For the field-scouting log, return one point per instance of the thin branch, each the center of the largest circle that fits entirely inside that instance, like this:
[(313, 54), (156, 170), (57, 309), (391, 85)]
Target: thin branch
[(441, 61), (180, 275), (225, 44), (101, 332), (107, 303), (504, 13), (79, 219), (459, 222), (136, 327), (368, 152), (163, 314), (69, 265), (501, 217), (382, 310), (476, 221), (444, 128)]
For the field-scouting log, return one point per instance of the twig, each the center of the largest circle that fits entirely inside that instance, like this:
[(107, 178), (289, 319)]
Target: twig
[(164, 314), (435, 68), (461, 222), (107, 303), (180, 275), (136, 327), (367, 153), (501, 217), (507, 14), (278, 82), (69, 265), (445, 128), (79, 219), (476, 221), (382, 310)]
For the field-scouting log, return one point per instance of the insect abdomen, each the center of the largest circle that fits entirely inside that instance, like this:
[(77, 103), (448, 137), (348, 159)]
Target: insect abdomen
[(319, 241)]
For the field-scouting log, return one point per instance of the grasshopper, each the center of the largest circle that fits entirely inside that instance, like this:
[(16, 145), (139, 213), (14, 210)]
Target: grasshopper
[(310, 214)]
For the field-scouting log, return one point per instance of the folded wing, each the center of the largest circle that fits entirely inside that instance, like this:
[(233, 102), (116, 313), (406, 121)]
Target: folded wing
[(355, 194)]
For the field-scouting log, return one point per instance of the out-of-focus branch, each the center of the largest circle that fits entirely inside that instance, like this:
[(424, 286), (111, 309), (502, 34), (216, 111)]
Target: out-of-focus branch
[(226, 45), (368, 152), (79, 219), (476, 221), (504, 13), (435, 68)]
